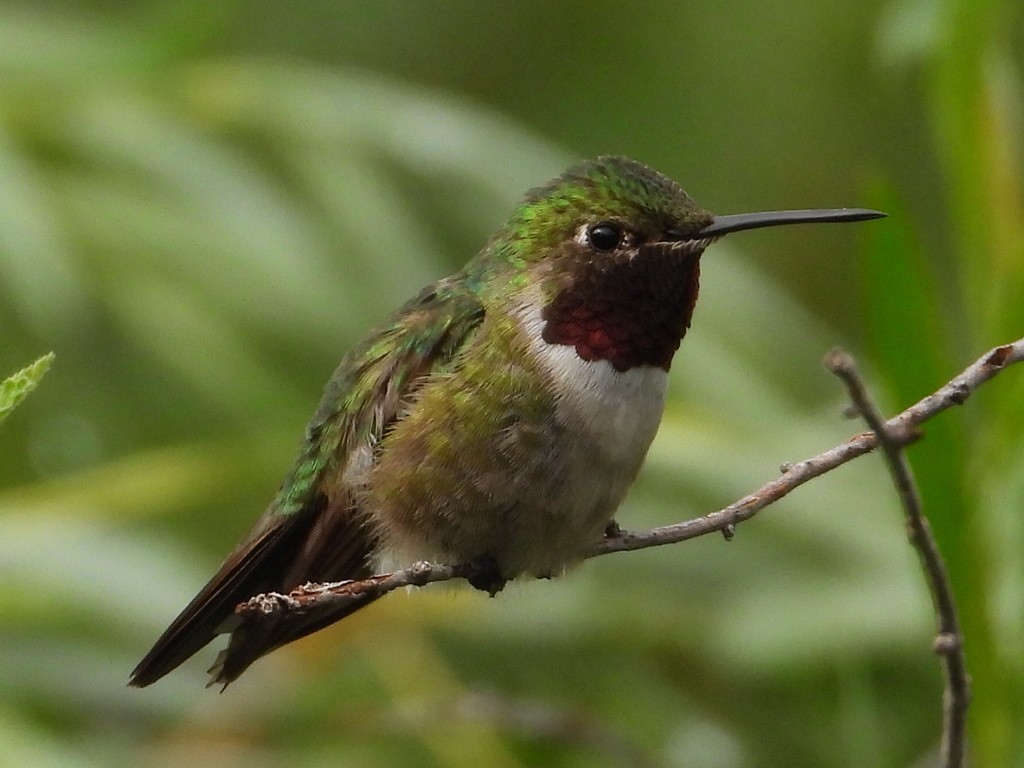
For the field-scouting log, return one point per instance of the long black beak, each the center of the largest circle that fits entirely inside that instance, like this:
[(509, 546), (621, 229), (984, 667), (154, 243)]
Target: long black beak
[(735, 222)]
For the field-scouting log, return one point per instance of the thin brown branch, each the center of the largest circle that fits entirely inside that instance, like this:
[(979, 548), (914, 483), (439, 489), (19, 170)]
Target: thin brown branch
[(949, 640), (901, 429), (310, 596)]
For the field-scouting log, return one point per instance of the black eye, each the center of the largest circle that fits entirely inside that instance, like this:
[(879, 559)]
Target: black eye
[(605, 237)]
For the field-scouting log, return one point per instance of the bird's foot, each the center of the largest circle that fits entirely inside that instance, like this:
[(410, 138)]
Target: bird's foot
[(483, 574), (612, 530)]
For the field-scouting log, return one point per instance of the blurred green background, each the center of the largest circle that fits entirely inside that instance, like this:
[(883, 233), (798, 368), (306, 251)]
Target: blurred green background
[(203, 206)]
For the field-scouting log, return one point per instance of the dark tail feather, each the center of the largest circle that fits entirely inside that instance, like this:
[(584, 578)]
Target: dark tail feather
[(315, 544), (260, 635), (251, 569)]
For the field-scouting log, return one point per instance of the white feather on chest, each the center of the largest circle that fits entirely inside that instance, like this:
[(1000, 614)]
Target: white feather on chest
[(616, 413)]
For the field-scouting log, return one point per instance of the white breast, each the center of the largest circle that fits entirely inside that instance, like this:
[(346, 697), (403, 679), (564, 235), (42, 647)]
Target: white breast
[(616, 413)]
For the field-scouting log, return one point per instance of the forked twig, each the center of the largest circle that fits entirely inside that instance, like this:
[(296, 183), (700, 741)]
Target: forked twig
[(948, 640), (892, 436)]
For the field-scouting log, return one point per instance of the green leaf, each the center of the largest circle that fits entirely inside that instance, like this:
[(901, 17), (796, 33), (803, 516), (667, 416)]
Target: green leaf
[(14, 388)]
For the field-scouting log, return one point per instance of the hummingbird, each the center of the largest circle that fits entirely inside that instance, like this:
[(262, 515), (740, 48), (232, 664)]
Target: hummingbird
[(498, 418)]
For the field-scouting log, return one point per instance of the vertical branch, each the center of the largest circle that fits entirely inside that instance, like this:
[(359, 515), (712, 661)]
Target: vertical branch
[(948, 641)]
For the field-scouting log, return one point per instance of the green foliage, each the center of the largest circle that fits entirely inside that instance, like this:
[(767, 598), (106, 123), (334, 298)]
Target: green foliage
[(200, 233), (14, 388), (928, 314)]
